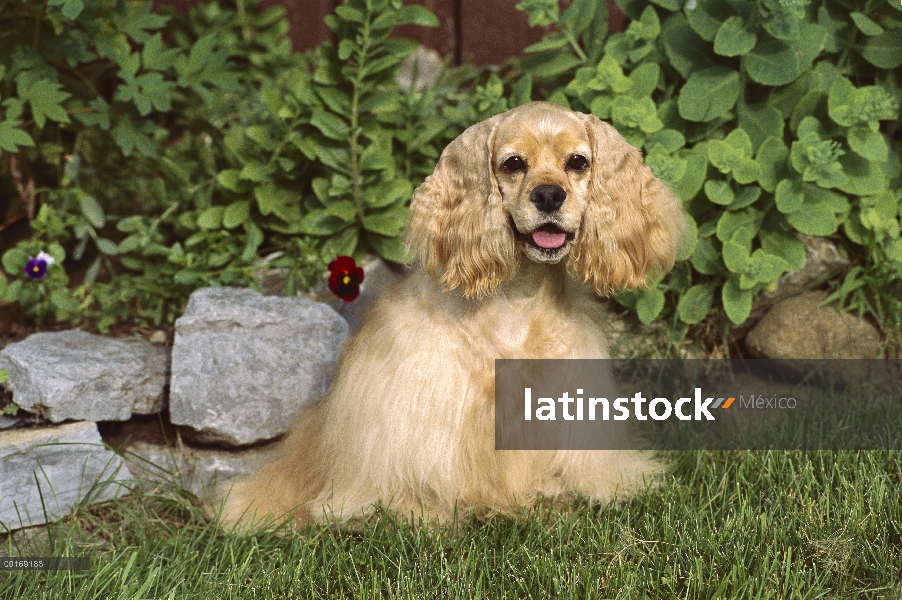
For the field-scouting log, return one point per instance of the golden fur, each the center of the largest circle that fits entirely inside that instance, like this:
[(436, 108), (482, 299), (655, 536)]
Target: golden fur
[(408, 424)]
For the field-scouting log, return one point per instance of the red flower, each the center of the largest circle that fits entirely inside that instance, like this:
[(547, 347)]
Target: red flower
[(345, 278)]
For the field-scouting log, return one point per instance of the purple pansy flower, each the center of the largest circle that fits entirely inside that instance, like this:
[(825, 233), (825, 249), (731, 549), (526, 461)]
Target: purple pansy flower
[(36, 267)]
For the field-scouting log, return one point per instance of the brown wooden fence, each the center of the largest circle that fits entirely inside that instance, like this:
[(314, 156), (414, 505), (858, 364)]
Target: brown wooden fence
[(482, 32)]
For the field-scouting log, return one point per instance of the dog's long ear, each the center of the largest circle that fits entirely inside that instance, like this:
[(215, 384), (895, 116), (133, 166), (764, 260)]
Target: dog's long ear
[(634, 224), (457, 227)]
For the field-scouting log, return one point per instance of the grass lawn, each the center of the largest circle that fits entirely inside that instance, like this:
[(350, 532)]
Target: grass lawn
[(724, 525)]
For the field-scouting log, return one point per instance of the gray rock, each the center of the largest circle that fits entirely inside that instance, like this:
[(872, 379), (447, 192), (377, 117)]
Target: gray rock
[(77, 375), (799, 327), (10, 422), (56, 468), (429, 66), (195, 469), (244, 364)]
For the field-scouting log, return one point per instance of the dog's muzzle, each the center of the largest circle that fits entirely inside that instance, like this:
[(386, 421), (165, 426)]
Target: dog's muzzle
[(548, 239)]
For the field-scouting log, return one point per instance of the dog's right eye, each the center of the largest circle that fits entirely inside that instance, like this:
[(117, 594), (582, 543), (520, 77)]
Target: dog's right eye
[(513, 164)]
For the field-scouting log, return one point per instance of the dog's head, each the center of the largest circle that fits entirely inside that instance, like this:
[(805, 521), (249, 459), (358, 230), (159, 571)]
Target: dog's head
[(548, 184)]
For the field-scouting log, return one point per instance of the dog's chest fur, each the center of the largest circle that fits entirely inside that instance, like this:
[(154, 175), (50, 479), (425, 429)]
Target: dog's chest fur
[(526, 319)]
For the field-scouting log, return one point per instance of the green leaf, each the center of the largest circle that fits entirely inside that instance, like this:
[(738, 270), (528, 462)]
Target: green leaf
[(841, 103), (377, 156), (813, 219), (637, 113), (14, 260), (685, 49), (380, 64), (130, 135), (865, 25), (522, 91), (156, 57), (389, 248), (147, 92), (11, 137), (388, 222), (745, 196), (346, 48), (734, 38), (211, 218), (719, 192), (707, 16), (771, 159), (665, 166), (644, 80), (382, 102), (254, 171), (670, 139), (708, 94), (740, 226), (135, 19), (735, 256), (789, 196), (92, 210), (44, 97), (550, 64), (865, 178), (650, 304), (230, 179), (406, 15), (760, 121), (786, 246), (282, 202), (343, 244), (695, 303), (106, 246), (260, 135), (71, 8), (868, 144), (330, 125), (350, 14), (737, 302), (551, 42), (343, 209), (388, 193), (809, 46), (320, 222), (764, 268), (254, 239), (236, 213), (772, 63), (694, 177), (706, 257), (884, 51)]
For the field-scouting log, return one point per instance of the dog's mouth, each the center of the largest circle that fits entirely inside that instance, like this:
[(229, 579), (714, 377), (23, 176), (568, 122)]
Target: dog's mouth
[(548, 238)]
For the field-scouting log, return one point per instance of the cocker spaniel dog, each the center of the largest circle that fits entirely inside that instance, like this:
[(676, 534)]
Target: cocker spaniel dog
[(528, 216)]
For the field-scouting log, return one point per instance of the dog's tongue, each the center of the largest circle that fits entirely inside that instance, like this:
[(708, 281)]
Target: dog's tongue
[(549, 239)]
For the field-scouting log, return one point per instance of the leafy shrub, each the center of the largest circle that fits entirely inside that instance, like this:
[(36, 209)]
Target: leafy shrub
[(90, 95), (768, 118), (161, 154)]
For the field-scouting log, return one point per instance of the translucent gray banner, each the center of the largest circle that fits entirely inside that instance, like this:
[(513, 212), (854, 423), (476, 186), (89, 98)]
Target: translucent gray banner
[(698, 404)]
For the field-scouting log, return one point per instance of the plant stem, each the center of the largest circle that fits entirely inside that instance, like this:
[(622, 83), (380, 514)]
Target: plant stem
[(355, 113)]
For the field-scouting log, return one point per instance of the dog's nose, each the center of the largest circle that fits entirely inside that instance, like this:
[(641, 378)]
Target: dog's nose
[(548, 198)]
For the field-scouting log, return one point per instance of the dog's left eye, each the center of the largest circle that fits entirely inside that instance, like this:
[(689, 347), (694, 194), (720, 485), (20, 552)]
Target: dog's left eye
[(577, 162)]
